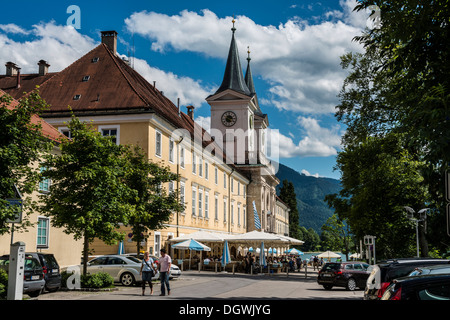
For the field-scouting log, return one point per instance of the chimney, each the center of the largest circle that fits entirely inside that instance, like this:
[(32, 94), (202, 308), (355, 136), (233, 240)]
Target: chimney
[(190, 111), (110, 39), (43, 67), (11, 69), (18, 79)]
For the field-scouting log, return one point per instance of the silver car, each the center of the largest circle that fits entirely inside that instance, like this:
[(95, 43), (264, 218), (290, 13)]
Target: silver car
[(124, 269)]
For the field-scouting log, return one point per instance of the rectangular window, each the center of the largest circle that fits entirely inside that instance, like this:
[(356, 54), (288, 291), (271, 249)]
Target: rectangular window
[(158, 143), (224, 180), (44, 185), (216, 175), (194, 163), (239, 188), (182, 196), (216, 208), (182, 157), (171, 187), (239, 215), (194, 200), (224, 210), (112, 131), (232, 185), (232, 212), (42, 232), (200, 167), (244, 218), (171, 150), (66, 132), (200, 203), (206, 204), (206, 171)]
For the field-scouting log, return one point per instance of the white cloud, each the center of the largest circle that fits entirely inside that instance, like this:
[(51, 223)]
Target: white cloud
[(13, 28), (306, 173), (299, 60), (61, 45), (317, 141)]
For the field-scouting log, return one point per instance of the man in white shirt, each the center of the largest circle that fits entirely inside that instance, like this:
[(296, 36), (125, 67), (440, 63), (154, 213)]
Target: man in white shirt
[(164, 269)]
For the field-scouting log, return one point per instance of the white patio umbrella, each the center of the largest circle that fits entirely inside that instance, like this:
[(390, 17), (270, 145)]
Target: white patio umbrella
[(190, 245), (294, 252), (328, 255)]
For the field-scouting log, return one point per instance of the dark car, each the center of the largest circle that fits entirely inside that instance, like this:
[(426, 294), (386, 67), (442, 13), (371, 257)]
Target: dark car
[(343, 274), (33, 282), (384, 273), (426, 287), (50, 266)]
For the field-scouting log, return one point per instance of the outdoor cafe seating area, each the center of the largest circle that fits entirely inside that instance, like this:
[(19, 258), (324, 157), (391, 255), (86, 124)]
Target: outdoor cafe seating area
[(214, 252)]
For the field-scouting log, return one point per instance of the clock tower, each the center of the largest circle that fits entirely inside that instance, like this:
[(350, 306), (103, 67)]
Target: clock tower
[(236, 119), (239, 126)]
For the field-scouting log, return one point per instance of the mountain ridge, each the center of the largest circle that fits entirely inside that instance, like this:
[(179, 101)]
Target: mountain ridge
[(310, 193)]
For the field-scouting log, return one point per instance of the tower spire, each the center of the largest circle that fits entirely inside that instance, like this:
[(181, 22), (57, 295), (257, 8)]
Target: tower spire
[(248, 74), (233, 77)]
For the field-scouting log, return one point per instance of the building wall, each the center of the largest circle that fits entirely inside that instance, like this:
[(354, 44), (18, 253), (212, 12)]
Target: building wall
[(67, 251), (154, 134)]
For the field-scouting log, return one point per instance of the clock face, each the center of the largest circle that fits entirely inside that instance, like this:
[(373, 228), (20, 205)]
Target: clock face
[(229, 118)]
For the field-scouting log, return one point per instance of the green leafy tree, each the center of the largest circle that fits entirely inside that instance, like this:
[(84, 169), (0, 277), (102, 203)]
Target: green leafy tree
[(153, 206), (311, 238), (336, 235), (89, 196), (21, 146), (288, 196), (400, 85), (379, 178)]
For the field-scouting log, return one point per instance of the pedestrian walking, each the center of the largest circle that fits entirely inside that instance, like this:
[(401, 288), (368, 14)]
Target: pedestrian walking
[(164, 269), (147, 272)]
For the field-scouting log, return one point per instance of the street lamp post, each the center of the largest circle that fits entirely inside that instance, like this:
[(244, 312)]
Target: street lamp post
[(422, 217)]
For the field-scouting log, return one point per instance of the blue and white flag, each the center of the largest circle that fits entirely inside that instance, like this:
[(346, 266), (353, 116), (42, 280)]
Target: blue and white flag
[(255, 214)]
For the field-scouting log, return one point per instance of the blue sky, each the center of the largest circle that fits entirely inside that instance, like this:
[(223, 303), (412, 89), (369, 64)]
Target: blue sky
[(182, 45)]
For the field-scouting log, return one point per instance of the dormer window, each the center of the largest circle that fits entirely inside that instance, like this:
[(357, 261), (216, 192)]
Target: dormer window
[(86, 78), (77, 97), (94, 60)]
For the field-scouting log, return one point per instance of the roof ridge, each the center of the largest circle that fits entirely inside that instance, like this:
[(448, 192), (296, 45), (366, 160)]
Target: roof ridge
[(114, 57)]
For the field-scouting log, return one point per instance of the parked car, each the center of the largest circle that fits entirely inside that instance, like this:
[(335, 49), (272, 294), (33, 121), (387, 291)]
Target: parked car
[(425, 287), (50, 266), (343, 274), (33, 282), (124, 269), (384, 273), (434, 269)]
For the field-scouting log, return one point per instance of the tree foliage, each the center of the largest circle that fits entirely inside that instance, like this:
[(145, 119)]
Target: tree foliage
[(21, 146), (287, 195), (396, 95), (89, 197), (153, 206)]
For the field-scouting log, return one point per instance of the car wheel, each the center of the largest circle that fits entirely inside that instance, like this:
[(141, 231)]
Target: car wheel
[(327, 286), (351, 284), (127, 279)]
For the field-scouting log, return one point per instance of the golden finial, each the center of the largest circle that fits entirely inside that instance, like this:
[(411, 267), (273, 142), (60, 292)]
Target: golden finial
[(233, 21), (248, 51)]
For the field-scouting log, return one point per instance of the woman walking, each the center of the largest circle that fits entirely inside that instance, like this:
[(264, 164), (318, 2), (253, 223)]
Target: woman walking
[(147, 271)]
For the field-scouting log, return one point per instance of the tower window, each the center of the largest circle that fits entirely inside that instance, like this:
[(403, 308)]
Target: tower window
[(77, 97), (94, 60), (86, 78)]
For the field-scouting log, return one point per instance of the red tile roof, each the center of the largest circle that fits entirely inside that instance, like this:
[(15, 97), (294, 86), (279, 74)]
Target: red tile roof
[(47, 130)]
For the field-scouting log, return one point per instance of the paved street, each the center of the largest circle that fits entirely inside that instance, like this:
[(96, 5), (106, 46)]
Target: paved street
[(210, 285)]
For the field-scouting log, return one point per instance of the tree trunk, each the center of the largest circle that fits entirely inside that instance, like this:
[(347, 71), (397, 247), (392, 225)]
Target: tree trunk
[(85, 253), (423, 243)]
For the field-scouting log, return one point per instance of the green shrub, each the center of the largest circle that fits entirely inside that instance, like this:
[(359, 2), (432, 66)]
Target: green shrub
[(97, 280), (3, 284)]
